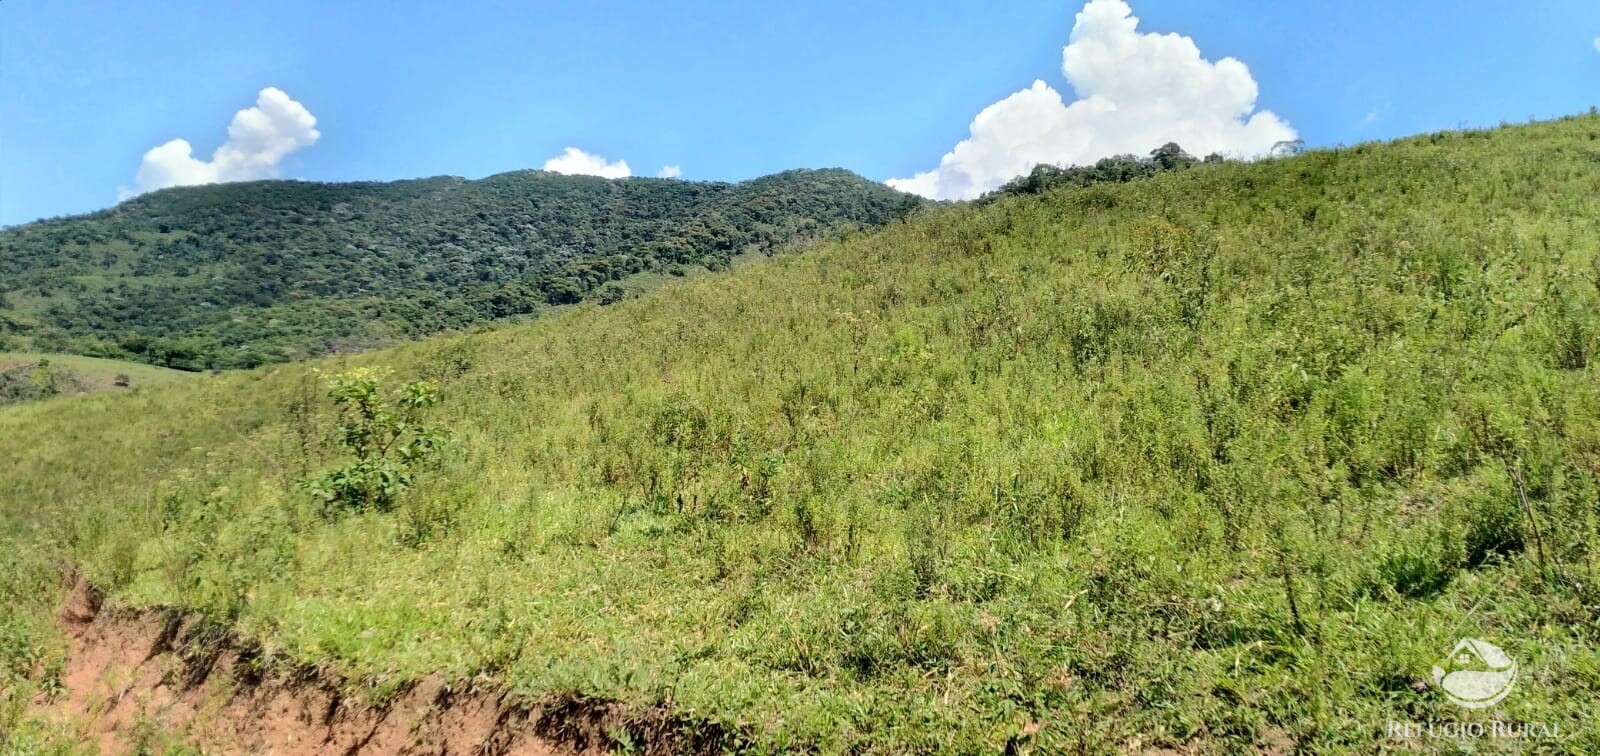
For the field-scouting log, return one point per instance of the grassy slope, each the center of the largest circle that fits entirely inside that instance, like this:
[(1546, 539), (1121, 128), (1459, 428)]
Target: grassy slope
[(1224, 458), (93, 372)]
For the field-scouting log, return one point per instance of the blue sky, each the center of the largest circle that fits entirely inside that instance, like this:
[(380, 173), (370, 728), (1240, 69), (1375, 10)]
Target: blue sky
[(730, 90)]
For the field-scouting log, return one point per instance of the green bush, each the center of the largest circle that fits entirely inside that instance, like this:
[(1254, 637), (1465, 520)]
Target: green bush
[(1419, 570), (386, 436)]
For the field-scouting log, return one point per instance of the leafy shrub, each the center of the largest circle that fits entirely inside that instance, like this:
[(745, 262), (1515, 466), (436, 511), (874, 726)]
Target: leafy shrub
[(1418, 570), (1494, 522), (386, 436), (1568, 325)]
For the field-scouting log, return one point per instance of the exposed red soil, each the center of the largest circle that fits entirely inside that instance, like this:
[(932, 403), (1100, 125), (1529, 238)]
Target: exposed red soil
[(130, 674)]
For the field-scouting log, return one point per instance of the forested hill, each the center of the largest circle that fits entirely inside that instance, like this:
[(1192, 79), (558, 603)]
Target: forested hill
[(237, 275)]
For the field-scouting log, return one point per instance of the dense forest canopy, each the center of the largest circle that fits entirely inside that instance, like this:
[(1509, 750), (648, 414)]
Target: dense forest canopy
[(237, 275)]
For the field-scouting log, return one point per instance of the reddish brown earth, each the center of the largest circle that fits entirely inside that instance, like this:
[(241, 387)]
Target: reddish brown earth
[(133, 674)]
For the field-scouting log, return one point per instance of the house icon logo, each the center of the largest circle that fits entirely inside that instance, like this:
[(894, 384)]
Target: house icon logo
[(1476, 675)]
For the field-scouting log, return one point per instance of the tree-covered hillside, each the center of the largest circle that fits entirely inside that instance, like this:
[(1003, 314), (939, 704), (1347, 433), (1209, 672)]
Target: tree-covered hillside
[(237, 275)]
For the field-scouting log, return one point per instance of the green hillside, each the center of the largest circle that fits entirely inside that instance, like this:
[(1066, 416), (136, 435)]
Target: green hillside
[(1218, 460), (239, 275), (25, 377)]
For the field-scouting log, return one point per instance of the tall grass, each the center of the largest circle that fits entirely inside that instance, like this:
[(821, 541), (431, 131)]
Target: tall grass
[(1219, 459)]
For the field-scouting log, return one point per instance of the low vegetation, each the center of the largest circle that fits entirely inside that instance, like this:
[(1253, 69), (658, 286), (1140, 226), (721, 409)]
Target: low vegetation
[(1226, 458), (26, 377)]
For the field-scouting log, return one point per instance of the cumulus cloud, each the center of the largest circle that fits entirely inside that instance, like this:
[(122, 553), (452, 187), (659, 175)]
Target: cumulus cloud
[(574, 161), (1135, 92), (670, 171), (259, 138)]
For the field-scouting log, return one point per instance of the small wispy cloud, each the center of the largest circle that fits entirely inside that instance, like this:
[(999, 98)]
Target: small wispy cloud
[(259, 138), (1373, 116), (576, 162), (670, 171), (1597, 44)]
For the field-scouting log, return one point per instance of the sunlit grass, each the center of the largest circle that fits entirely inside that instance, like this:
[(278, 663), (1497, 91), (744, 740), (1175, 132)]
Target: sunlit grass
[(1213, 459)]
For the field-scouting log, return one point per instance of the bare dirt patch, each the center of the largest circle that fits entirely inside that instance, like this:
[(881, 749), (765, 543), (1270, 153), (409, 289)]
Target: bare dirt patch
[(137, 678)]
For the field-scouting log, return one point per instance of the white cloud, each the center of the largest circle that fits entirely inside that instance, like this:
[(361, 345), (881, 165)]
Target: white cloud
[(574, 161), (1597, 44), (1135, 92), (259, 138), (670, 171)]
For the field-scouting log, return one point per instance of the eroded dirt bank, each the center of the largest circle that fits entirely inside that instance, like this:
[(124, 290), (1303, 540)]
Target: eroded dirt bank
[(136, 677)]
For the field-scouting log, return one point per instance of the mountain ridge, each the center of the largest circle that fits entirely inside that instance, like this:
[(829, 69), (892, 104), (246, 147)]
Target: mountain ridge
[(242, 274)]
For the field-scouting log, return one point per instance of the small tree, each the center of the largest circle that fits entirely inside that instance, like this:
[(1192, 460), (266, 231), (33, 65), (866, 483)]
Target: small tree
[(385, 434), (907, 207), (1171, 157)]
